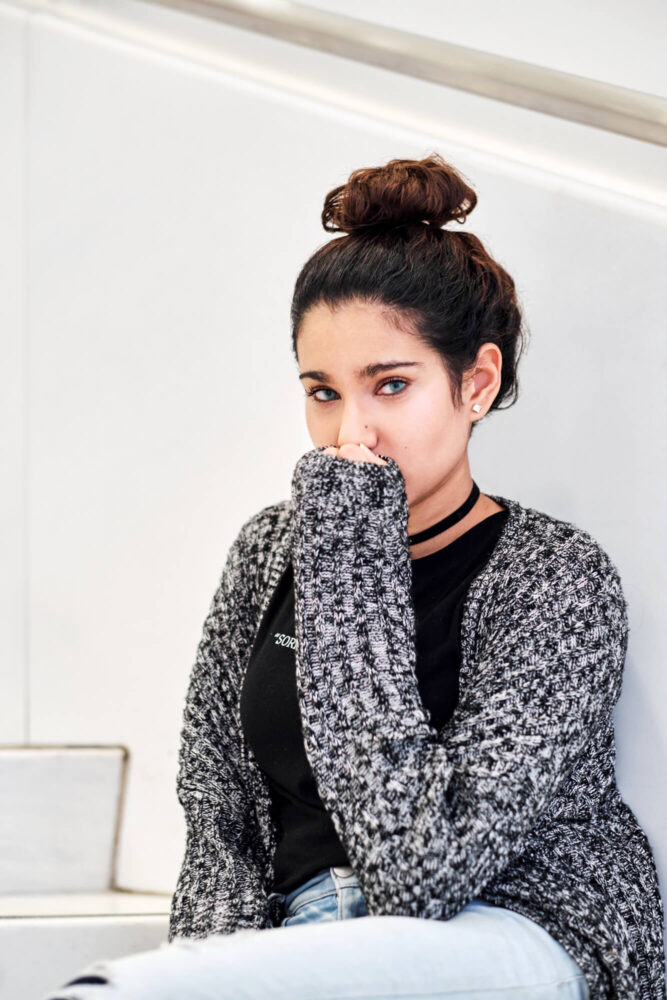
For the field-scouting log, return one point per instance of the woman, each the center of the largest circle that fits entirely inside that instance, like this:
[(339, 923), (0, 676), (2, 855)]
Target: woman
[(401, 707)]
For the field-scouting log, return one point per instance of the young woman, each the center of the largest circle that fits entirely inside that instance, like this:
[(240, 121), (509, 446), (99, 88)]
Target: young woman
[(401, 707)]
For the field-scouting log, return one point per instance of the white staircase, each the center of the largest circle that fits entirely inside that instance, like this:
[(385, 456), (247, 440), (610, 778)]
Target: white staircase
[(60, 910)]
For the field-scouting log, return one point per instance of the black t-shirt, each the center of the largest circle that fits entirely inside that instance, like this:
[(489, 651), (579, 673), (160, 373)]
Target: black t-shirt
[(307, 839)]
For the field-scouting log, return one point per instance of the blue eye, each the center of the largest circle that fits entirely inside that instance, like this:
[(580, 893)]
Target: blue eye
[(320, 388), (389, 381)]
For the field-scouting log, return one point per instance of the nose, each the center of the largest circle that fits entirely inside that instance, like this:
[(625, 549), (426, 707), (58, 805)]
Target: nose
[(354, 428)]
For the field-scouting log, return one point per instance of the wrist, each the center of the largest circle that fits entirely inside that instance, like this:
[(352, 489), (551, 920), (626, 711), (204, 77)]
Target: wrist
[(345, 484)]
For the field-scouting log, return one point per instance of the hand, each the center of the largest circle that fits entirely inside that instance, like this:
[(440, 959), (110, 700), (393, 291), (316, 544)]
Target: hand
[(354, 453)]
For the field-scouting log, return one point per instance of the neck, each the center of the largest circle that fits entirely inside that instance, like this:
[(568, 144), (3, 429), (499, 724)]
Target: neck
[(445, 499)]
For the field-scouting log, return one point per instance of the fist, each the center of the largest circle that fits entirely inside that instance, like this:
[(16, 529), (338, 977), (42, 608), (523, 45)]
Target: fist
[(354, 453)]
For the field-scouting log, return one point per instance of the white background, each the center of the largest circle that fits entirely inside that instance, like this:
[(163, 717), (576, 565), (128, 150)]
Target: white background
[(161, 182)]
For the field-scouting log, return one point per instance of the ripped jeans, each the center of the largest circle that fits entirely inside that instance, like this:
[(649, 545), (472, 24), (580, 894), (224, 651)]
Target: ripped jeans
[(484, 952)]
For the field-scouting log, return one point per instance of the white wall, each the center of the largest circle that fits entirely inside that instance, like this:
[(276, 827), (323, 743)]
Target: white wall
[(169, 207), (612, 41), (13, 444)]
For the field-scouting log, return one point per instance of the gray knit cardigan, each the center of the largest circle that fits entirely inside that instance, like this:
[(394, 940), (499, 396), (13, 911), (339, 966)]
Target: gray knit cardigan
[(514, 800)]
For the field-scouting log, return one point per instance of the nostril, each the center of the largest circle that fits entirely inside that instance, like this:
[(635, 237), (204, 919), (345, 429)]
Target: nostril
[(86, 979)]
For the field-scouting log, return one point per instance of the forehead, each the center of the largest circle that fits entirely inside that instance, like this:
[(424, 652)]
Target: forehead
[(353, 331)]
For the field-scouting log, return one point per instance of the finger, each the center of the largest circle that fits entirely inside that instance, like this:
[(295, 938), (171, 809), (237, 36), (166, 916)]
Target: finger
[(360, 453)]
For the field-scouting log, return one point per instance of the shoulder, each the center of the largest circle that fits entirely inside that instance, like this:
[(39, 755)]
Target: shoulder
[(573, 546), (553, 586), (262, 539), (546, 565), (537, 539), (266, 526)]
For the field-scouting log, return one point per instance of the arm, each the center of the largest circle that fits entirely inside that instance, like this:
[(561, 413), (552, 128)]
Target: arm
[(429, 818), (218, 878)]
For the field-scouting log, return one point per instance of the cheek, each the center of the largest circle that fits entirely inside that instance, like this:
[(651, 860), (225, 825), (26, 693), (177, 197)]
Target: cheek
[(424, 427), (318, 428), (437, 420), (311, 416), (315, 413)]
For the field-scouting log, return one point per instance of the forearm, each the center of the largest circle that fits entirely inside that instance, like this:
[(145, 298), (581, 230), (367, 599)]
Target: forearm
[(428, 818)]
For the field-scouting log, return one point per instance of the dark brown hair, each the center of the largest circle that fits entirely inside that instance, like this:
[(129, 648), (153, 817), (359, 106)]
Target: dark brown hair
[(439, 283)]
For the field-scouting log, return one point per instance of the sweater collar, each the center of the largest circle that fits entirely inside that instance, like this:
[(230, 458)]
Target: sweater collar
[(479, 597)]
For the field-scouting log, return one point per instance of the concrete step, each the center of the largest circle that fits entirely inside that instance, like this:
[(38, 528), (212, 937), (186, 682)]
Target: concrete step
[(60, 817), (47, 939)]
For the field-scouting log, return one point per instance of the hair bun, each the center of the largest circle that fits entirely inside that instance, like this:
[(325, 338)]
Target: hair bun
[(403, 192)]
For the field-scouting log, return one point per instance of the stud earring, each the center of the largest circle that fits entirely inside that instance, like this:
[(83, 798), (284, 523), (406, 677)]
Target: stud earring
[(477, 407)]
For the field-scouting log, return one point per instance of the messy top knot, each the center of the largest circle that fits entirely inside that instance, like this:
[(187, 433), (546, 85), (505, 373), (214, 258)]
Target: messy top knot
[(442, 284), (404, 192)]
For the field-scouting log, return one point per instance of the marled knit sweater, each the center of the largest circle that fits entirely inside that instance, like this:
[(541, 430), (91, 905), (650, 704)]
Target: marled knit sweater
[(514, 801)]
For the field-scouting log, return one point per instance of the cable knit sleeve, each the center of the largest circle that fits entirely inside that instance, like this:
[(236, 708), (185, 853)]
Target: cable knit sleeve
[(428, 818), (219, 881)]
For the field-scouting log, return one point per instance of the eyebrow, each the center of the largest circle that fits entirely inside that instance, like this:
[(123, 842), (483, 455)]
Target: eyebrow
[(367, 372)]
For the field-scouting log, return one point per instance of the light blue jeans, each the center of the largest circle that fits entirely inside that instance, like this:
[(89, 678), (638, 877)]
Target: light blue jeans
[(482, 953)]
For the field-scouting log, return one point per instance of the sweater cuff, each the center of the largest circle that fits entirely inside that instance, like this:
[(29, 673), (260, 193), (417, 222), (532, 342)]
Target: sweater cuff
[(344, 485)]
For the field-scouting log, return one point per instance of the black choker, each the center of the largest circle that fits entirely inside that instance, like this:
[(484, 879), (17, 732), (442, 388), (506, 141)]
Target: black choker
[(448, 521)]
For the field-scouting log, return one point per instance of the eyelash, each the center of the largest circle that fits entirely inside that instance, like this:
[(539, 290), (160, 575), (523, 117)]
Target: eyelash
[(311, 392)]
